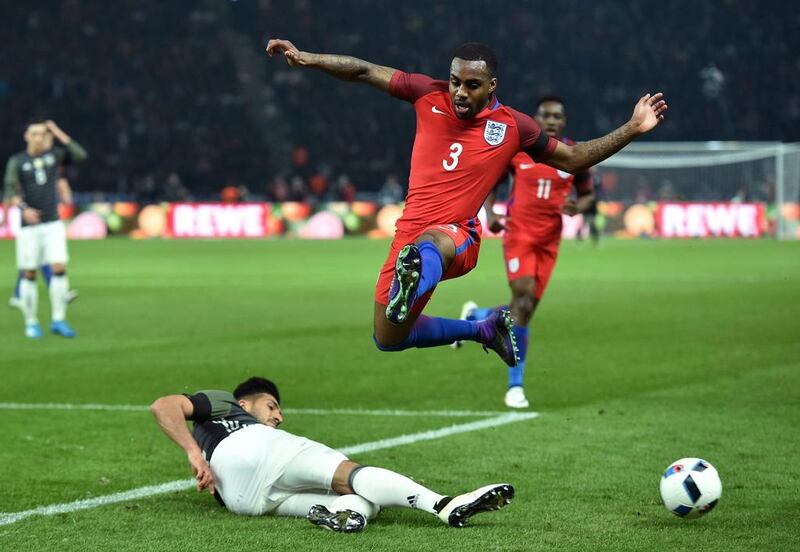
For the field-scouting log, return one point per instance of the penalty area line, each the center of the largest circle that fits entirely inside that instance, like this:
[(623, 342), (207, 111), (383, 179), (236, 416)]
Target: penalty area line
[(184, 484)]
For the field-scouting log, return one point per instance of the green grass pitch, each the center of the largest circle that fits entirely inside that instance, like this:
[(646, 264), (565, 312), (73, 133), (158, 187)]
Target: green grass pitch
[(641, 353)]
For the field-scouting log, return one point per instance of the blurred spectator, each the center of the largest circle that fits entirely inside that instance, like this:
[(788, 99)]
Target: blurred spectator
[(345, 189), (153, 87), (391, 191), (230, 194), (174, 190)]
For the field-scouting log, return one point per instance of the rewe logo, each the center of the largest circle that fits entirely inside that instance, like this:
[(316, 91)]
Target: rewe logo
[(198, 220), (699, 220)]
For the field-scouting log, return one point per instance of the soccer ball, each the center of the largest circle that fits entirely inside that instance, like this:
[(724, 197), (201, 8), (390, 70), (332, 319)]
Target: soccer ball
[(690, 487)]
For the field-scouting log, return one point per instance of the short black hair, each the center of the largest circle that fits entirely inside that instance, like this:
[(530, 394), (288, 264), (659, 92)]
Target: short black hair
[(35, 121), (254, 386), (475, 51), (550, 98)]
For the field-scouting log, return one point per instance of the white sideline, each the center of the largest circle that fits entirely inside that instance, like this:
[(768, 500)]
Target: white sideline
[(311, 411), (183, 484)]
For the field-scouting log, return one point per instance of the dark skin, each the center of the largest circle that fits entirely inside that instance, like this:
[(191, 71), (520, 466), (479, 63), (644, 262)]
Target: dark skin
[(552, 117), (471, 86)]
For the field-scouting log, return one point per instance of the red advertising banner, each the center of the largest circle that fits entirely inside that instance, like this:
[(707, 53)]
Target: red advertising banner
[(218, 220), (707, 220)]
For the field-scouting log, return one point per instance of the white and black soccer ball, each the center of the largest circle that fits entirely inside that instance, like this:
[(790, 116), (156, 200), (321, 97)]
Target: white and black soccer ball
[(690, 487)]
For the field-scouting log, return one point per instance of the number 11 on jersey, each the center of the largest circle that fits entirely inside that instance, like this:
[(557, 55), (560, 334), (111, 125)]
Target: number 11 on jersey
[(544, 188)]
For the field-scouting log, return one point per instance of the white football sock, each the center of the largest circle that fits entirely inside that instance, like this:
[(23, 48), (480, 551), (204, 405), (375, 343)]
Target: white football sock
[(59, 286), (29, 299), (387, 488), (298, 505), (357, 504)]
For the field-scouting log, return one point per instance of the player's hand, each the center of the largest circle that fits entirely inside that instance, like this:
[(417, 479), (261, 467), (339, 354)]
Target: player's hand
[(649, 111), (202, 472), (31, 215), (495, 223), (570, 208), (56, 131), (294, 57)]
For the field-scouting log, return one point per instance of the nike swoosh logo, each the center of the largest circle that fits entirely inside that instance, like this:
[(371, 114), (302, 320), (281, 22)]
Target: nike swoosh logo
[(524, 166), (437, 110)]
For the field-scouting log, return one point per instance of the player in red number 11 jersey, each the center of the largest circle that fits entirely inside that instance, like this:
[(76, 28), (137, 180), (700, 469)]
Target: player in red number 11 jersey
[(465, 140), (539, 195)]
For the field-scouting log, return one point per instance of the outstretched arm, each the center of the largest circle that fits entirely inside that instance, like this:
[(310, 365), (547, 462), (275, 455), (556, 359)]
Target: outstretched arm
[(342, 67), (649, 111), (171, 413)]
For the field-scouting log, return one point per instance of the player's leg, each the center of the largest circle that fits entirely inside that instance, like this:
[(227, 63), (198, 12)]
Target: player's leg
[(523, 305), (527, 290), (14, 301), (27, 248), (390, 489), (341, 513), (47, 273), (418, 269), (458, 247), (56, 255), (594, 231)]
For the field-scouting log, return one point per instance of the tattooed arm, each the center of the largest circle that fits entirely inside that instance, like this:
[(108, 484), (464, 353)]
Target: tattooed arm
[(342, 67), (649, 111)]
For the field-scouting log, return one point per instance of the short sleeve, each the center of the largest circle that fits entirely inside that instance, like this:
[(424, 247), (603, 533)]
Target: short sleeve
[(211, 404), (412, 86), (532, 140)]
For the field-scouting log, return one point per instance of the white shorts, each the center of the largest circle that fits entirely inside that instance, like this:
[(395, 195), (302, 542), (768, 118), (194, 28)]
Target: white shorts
[(258, 467), (41, 244)]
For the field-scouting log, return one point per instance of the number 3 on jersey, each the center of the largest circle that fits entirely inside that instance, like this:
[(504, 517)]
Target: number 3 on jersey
[(455, 151)]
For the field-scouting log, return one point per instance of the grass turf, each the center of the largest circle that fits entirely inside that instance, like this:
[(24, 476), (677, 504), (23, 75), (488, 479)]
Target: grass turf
[(641, 353)]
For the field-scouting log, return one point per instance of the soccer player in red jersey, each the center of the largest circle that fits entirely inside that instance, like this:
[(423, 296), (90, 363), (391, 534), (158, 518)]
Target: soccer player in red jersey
[(539, 195), (465, 140)]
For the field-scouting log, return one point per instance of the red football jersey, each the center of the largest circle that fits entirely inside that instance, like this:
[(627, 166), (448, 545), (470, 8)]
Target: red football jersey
[(537, 195), (456, 162)]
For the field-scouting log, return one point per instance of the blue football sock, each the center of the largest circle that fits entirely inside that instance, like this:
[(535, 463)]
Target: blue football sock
[(16, 286), (47, 272), (429, 331), (431, 268), (516, 373), (481, 313)]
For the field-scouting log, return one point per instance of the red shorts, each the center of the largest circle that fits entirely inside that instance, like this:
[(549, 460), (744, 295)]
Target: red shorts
[(529, 258), (467, 238)]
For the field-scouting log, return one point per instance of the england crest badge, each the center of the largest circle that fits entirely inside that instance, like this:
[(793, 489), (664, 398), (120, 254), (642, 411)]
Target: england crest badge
[(494, 133)]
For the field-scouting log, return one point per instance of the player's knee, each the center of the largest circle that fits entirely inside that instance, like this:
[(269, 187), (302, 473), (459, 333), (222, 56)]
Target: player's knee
[(29, 275), (59, 269)]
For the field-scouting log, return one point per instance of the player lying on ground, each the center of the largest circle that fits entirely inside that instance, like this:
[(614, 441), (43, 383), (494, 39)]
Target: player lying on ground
[(237, 452), (539, 195), (31, 183), (464, 142)]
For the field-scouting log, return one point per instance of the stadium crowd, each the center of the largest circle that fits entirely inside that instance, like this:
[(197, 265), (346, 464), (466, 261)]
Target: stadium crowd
[(176, 103)]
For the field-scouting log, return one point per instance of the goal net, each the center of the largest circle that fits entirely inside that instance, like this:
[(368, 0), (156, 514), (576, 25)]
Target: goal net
[(703, 189)]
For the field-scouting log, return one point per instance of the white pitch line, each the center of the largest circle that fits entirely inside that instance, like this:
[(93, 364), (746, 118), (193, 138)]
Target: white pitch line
[(183, 484), (309, 411)]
